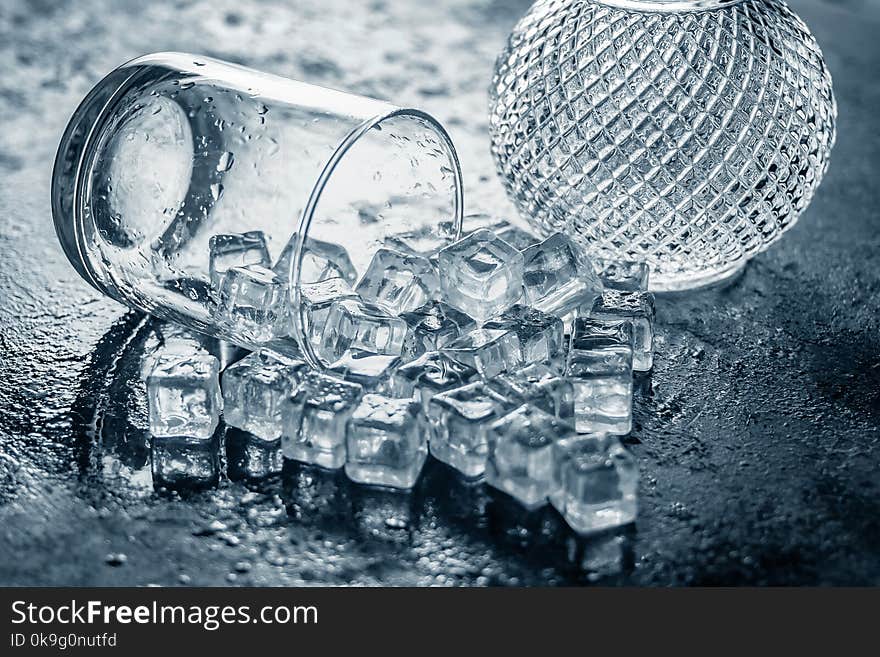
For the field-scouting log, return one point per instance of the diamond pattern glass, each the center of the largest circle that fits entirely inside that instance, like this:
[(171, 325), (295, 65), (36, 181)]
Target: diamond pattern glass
[(690, 137)]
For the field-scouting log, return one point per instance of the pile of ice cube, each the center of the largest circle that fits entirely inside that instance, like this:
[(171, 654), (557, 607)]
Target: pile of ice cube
[(504, 356)]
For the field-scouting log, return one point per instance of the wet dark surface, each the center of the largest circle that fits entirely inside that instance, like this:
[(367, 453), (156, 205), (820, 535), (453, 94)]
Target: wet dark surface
[(757, 435)]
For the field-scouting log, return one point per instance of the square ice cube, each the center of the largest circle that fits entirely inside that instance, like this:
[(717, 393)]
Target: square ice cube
[(253, 303), (398, 282), (371, 371), (236, 250), (320, 261), (183, 394), (315, 301), (520, 461), (599, 367), (254, 390), (386, 442), (251, 457), (356, 325), (625, 275), (595, 483), (540, 334), (174, 339), (482, 275), (433, 326), (431, 373), (314, 419), (179, 463), (637, 307), (489, 351), (541, 386), (558, 276), (459, 421)]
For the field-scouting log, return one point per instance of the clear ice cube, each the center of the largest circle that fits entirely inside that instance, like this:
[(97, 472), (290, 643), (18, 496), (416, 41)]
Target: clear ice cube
[(540, 334), (398, 282), (315, 301), (371, 371), (174, 339), (520, 461), (179, 463), (386, 442), (459, 421), (637, 307), (356, 325), (433, 326), (595, 483), (429, 374), (482, 275), (183, 394), (251, 457), (236, 250), (253, 303), (489, 351), (541, 386), (558, 277), (314, 420), (599, 367), (625, 275), (254, 390), (320, 261)]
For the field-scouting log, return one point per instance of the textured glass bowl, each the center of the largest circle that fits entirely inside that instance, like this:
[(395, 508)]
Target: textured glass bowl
[(687, 133)]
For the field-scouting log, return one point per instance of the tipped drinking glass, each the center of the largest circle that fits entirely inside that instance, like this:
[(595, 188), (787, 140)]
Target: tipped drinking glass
[(173, 160)]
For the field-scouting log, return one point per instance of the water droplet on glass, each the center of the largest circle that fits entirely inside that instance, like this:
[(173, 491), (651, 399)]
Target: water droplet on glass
[(226, 161)]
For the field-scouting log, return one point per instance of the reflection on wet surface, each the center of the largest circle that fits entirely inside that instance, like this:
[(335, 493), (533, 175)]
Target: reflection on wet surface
[(446, 530)]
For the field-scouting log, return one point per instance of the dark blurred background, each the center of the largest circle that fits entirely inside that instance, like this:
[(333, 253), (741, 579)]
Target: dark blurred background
[(757, 434)]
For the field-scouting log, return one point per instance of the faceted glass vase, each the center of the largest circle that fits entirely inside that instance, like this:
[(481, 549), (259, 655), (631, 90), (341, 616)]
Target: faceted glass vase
[(686, 133)]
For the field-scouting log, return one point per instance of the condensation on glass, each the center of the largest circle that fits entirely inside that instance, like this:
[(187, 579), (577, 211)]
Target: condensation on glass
[(172, 149), (689, 134)]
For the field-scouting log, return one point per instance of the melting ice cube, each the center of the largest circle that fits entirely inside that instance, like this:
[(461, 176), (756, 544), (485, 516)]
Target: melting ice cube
[(540, 334), (557, 276), (398, 282), (253, 303), (183, 393), (254, 390), (386, 442), (314, 420), (482, 275), (595, 483), (236, 250), (600, 369), (638, 308), (520, 459), (460, 419)]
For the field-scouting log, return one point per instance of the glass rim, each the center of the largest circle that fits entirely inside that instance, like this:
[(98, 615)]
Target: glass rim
[(305, 220)]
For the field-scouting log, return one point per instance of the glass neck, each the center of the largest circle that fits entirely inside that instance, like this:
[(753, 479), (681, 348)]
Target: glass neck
[(670, 5)]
